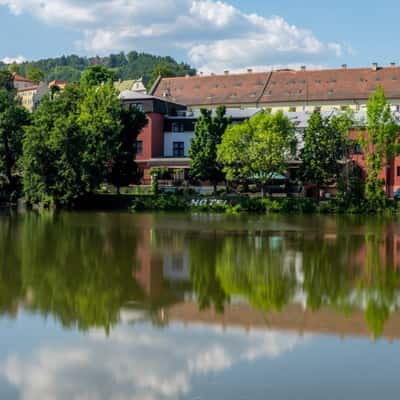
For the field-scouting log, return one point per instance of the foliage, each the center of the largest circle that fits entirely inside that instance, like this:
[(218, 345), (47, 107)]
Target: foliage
[(13, 119), (160, 70), (97, 75), (34, 73), (325, 144), (123, 167), (258, 148), (203, 148), (161, 202), (204, 254), (73, 140), (132, 65), (381, 144)]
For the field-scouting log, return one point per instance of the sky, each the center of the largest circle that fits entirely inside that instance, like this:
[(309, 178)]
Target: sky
[(211, 35)]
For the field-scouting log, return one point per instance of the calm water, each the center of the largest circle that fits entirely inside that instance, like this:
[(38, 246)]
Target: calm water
[(153, 307)]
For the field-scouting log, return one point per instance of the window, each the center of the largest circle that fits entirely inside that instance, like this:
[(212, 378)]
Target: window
[(178, 127), (398, 171), (179, 149), (357, 149), (138, 147)]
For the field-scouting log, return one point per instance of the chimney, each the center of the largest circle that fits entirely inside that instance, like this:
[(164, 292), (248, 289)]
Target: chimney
[(249, 70), (375, 66), (303, 67), (226, 72), (344, 66)]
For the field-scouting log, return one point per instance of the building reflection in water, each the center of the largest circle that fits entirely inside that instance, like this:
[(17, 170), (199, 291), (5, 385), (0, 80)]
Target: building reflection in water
[(316, 280)]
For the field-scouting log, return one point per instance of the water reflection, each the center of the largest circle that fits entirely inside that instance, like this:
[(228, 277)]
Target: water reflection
[(89, 270)]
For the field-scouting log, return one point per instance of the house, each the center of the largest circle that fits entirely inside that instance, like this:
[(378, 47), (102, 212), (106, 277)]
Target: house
[(288, 90), (136, 86), (32, 95), (21, 82), (165, 141), (57, 83)]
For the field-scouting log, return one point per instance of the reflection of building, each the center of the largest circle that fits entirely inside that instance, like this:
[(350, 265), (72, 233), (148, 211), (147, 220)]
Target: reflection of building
[(293, 318)]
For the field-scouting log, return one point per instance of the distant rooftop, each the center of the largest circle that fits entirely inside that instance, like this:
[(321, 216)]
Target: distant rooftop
[(281, 86)]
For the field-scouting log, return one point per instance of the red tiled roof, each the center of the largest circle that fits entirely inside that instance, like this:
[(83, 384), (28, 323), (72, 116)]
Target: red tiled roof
[(19, 78), (281, 86)]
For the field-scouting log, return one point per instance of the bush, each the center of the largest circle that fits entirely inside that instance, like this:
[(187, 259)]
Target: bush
[(164, 202)]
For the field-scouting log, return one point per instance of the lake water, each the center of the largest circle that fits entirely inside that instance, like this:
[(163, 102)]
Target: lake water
[(164, 306)]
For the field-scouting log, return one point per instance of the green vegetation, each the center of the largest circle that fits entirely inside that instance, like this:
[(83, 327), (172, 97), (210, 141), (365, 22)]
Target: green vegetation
[(77, 140), (209, 132), (325, 145), (380, 144), (13, 119), (132, 65), (258, 149)]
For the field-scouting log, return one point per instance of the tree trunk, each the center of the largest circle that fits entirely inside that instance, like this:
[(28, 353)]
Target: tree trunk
[(215, 189)]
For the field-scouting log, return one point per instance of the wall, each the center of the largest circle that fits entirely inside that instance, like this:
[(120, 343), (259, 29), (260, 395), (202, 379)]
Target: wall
[(170, 137)]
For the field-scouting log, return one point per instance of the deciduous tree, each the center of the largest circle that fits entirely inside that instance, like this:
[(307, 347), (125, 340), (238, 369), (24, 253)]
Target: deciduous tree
[(380, 143), (209, 130), (325, 143)]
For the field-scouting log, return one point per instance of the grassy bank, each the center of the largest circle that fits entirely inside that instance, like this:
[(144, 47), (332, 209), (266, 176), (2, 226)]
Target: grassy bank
[(172, 202)]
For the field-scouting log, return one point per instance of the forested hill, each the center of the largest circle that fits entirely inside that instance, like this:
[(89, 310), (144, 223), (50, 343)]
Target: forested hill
[(132, 65)]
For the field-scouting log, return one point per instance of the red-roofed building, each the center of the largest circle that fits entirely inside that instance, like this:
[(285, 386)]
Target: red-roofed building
[(289, 90)]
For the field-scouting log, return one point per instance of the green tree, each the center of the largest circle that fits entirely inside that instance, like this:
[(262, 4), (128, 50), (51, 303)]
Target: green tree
[(97, 75), (71, 143), (381, 144), (13, 119), (203, 148), (325, 143), (14, 68), (160, 70), (234, 152), (259, 148), (34, 74), (123, 167)]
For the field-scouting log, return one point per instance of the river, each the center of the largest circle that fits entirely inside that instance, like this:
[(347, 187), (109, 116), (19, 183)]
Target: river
[(198, 306)]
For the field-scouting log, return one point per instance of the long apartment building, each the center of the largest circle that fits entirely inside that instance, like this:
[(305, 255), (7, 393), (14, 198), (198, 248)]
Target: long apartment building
[(288, 90)]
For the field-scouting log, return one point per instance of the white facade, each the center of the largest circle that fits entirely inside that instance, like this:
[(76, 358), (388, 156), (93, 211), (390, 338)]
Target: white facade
[(171, 137)]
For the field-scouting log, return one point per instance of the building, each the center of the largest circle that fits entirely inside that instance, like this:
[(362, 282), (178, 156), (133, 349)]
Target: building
[(20, 82), (136, 86), (57, 83), (165, 141), (32, 95), (288, 90)]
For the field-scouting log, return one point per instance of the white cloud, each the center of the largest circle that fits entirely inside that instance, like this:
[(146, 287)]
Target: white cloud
[(212, 34), (12, 60), (138, 362)]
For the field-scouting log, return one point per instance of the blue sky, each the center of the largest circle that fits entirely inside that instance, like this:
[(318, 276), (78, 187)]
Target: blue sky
[(212, 35)]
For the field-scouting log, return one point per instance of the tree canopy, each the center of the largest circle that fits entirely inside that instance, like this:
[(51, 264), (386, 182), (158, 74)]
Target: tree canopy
[(380, 142), (259, 148), (325, 144), (74, 138), (132, 65), (209, 131)]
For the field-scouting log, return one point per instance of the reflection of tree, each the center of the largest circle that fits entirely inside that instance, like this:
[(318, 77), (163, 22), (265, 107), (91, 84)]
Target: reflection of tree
[(379, 284), (204, 253), (327, 273), (257, 272), (77, 267), (10, 273)]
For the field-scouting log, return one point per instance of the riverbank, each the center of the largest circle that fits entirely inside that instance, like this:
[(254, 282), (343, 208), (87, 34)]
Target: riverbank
[(239, 204)]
